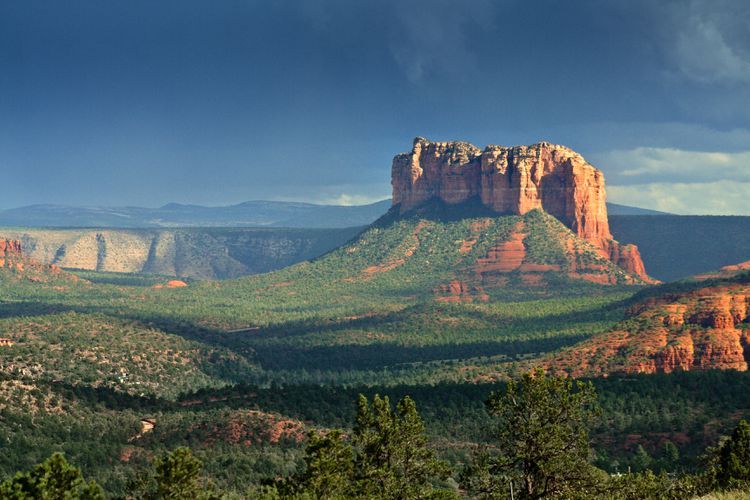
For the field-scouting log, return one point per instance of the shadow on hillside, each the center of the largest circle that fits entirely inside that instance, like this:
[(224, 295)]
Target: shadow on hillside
[(29, 308), (99, 396), (379, 356), (389, 319), (182, 328), (440, 211)]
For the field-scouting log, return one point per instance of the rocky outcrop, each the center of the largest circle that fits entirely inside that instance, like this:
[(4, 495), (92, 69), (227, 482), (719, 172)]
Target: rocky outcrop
[(14, 262), (513, 180), (707, 328), (11, 256), (460, 292)]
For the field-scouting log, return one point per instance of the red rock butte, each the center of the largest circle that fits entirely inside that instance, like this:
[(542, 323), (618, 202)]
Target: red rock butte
[(513, 180), (10, 251)]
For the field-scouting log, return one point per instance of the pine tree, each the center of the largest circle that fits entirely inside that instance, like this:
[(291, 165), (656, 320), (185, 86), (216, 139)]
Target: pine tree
[(641, 460), (53, 479), (329, 461), (393, 459), (542, 436), (177, 476), (734, 458)]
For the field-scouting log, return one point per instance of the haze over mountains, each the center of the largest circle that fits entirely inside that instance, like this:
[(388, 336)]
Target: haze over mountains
[(259, 213), (248, 214)]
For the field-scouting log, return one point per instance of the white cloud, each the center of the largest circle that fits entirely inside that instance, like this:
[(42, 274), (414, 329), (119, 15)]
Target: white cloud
[(337, 194), (679, 181), (351, 199), (648, 165), (709, 198)]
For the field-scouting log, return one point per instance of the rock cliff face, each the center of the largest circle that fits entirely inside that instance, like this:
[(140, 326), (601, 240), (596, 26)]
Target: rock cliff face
[(513, 180), (10, 254), (707, 328), (9, 249), (14, 262)]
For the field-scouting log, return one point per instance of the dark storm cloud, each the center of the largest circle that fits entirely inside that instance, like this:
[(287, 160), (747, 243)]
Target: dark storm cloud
[(148, 102)]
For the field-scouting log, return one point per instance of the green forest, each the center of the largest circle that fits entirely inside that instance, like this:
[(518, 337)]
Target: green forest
[(250, 384)]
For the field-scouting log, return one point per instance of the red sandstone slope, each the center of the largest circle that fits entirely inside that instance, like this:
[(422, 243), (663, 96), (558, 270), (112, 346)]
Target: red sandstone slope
[(707, 327), (537, 253), (13, 263), (513, 180)]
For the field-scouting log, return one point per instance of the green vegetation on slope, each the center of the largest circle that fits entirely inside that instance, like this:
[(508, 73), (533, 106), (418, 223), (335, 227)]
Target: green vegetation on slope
[(302, 342)]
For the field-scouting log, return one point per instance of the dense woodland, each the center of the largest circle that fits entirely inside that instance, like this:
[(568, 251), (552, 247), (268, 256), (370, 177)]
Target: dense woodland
[(241, 372), (531, 434)]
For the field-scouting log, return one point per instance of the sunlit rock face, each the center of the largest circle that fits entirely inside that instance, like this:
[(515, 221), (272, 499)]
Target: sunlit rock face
[(513, 180), (704, 329)]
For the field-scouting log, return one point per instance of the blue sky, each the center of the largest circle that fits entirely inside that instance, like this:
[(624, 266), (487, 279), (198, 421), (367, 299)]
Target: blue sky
[(144, 103)]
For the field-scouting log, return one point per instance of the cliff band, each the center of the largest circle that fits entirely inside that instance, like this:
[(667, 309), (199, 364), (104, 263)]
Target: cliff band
[(513, 180)]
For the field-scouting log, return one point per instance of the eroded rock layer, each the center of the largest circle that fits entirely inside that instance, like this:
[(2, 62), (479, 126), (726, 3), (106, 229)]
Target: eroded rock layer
[(14, 262), (10, 253), (513, 180), (706, 328)]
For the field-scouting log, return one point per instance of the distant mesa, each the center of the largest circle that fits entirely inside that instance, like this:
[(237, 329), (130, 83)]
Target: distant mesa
[(513, 180)]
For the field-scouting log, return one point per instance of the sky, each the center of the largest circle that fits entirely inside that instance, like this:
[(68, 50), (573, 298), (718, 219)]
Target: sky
[(144, 103)]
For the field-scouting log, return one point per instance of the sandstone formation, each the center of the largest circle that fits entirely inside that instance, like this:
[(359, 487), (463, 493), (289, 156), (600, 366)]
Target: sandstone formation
[(519, 256), (14, 259), (513, 180), (10, 253), (706, 328)]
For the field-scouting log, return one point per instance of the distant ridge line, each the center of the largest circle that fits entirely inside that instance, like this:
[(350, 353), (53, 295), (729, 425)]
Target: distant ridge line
[(258, 213)]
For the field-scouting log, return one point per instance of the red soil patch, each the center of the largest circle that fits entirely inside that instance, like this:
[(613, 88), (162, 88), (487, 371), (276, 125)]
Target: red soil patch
[(254, 427), (532, 279), (281, 283), (458, 291), (171, 284), (506, 256), (744, 266), (601, 279), (538, 268)]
